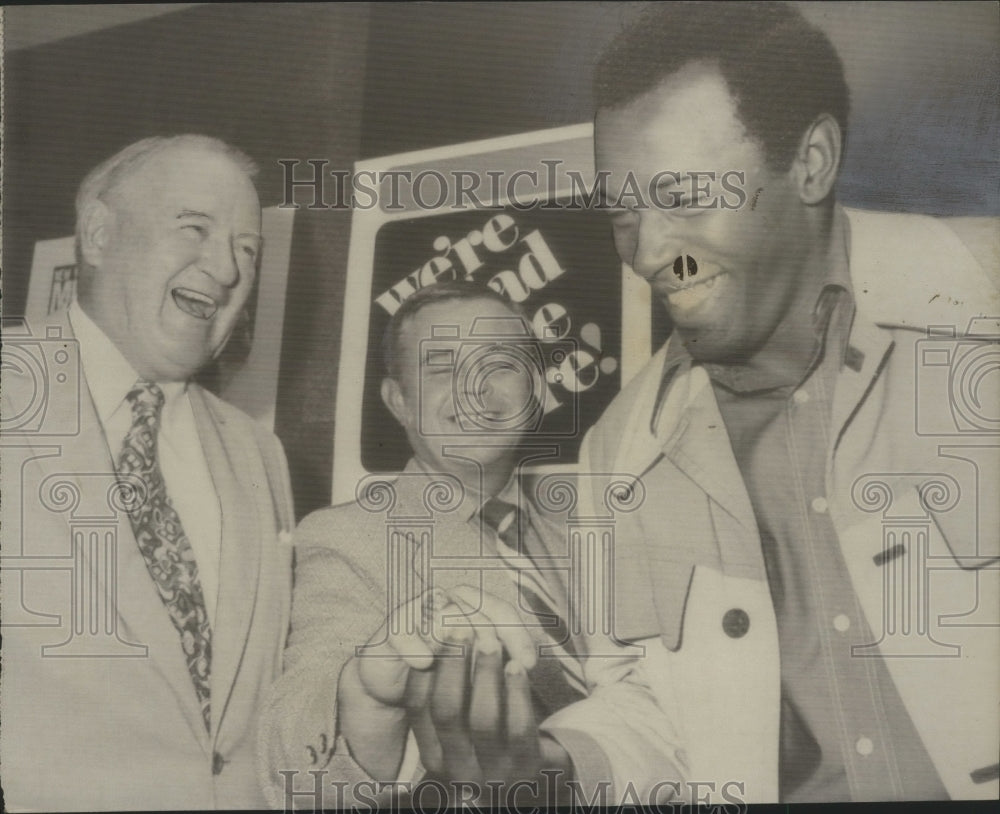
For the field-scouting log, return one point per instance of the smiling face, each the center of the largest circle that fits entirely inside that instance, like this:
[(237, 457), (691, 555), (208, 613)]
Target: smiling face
[(174, 247), (747, 263), (475, 394)]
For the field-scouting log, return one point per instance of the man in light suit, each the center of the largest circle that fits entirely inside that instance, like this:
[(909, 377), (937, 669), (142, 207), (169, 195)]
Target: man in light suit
[(147, 570), (813, 574), (441, 537)]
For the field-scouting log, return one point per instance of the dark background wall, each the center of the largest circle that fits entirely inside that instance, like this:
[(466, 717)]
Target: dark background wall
[(278, 81), (343, 82)]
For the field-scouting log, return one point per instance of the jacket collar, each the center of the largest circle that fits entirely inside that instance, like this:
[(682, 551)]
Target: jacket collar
[(945, 286), (879, 244), (237, 474)]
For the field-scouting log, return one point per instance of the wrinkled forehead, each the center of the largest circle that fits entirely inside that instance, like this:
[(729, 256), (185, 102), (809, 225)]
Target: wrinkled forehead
[(196, 178)]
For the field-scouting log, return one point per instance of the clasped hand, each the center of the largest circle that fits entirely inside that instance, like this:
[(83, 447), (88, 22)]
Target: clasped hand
[(453, 668)]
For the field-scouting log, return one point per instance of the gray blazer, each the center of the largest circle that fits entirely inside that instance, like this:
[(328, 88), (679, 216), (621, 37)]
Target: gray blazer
[(342, 595)]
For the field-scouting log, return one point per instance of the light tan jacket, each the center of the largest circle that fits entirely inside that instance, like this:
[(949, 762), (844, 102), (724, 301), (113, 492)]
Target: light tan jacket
[(915, 456), (98, 707)]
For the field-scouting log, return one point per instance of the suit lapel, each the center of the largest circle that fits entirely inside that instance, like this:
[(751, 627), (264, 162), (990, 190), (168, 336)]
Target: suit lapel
[(639, 448), (86, 461), (699, 445), (237, 474)]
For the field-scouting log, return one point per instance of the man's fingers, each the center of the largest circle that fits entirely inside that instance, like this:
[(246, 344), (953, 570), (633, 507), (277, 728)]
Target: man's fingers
[(449, 699), (522, 730), (448, 695), (486, 707), (383, 671), (414, 653), (409, 639), (418, 691), (485, 609), (415, 628)]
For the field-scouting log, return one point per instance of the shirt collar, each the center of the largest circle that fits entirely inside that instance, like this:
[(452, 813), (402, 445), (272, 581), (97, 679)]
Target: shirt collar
[(785, 369), (472, 500), (108, 373)]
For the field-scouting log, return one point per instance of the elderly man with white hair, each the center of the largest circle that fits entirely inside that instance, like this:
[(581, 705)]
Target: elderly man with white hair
[(134, 679)]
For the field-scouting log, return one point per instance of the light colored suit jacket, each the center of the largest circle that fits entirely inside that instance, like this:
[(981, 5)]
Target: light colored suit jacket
[(914, 458), (353, 566), (98, 707)]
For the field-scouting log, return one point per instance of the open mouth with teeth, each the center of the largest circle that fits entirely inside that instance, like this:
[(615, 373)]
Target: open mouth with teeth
[(694, 294), (697, 284), (194, 303)]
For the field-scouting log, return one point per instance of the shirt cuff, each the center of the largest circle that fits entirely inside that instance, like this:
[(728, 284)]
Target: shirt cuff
[(590, 763)]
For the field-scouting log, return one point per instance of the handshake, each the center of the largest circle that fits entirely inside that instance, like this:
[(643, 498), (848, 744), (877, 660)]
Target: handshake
[(452, 668)]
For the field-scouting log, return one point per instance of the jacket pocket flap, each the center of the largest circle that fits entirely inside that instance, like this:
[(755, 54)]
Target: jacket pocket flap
[(655, 608)]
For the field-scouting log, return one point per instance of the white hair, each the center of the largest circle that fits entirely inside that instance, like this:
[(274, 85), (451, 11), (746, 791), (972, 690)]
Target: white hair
[(109, 174)]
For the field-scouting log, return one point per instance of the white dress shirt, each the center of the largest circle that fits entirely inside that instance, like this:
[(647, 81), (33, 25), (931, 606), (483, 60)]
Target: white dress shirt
[(110, 377)]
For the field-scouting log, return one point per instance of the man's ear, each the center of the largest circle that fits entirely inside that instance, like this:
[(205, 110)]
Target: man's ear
[(94, 232), (392, 396), (818, 160)]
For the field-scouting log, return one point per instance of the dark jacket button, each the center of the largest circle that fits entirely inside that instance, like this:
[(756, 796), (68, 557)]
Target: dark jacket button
[(217, 763), (736, 623)]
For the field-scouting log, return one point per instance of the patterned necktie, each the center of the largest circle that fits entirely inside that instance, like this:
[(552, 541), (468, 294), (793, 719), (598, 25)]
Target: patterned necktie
[(512, 525), (163, 543)]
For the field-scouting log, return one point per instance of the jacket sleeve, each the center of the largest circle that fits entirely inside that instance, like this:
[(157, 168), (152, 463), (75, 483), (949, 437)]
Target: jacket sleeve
[(619, 737), (337, 604), (619, 734)]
